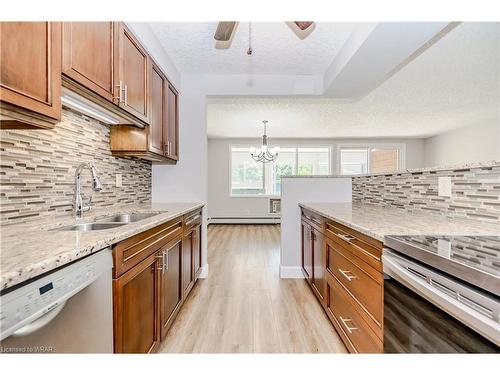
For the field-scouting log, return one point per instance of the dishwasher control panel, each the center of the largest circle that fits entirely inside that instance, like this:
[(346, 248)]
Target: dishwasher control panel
[(35, 299)]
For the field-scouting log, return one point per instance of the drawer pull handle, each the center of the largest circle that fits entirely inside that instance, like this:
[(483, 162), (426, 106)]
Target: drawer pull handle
[(346, 237), (346, 273), (345, 321)]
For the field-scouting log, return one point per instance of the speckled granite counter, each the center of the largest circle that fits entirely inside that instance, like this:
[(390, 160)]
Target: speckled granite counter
[(378, 221), (30, 250)]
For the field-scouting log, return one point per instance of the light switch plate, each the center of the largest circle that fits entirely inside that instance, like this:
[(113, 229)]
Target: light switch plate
[(444, 186), (119, 180)]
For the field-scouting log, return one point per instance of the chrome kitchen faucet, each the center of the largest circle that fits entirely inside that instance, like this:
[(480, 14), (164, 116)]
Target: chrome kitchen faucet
[(78, 205)]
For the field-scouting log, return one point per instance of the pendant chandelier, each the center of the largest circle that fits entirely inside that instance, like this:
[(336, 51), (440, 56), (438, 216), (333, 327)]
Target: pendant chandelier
[(264, 154)]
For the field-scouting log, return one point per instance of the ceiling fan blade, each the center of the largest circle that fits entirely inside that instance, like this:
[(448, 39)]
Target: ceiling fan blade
[(302, 28), (303, 25), (224, 31)]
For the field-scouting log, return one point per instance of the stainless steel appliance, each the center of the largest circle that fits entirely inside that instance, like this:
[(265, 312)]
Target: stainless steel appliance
[(67, 311), (441, 294)]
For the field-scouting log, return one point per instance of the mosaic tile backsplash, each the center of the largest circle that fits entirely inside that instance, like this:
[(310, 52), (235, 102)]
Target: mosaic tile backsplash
[(37, 170), (475, 192)]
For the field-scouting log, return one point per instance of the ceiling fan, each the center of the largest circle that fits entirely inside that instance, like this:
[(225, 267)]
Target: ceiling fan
[(225, 32)]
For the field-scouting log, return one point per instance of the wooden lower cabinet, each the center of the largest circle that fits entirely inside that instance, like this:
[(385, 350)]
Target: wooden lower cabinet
[(307, 255), (153, 275), (319, 266), (349, 322), (136, 312), (197, 251), (171, 284), (188, 277), (344, 269)]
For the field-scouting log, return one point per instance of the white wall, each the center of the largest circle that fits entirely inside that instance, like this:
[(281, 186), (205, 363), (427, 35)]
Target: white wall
[(465, 145), (305, 190), (222, 205)]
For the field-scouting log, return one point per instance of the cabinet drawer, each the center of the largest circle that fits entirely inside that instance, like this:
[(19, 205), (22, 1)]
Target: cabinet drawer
[(314, 219), (362, 281), (357, 244), (192, 219), (128, 253), (345, 315)]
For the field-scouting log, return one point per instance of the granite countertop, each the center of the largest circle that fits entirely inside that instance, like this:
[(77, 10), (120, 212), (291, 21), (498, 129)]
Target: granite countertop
[(29, 250), (379, 221), (482, 164)]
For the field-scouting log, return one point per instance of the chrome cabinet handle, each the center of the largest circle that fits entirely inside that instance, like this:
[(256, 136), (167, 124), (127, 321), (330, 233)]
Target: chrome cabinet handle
[(346, 237), (169, 147), (345, 321), (166, 148), (345, 273), (120, 90), (126, 95), (165, 260)]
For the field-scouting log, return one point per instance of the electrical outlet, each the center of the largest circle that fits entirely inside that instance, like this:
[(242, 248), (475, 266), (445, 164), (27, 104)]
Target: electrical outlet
[(119, 182), (444, 186)]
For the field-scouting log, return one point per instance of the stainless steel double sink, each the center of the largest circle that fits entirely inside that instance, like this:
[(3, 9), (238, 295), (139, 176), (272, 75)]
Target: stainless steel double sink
[(108, 222)]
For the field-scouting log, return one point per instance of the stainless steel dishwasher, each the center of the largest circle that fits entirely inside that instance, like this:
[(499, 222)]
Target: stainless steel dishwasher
[(69, 310)]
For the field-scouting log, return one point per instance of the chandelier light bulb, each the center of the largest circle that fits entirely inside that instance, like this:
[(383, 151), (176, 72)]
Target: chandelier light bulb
[(265, 154)]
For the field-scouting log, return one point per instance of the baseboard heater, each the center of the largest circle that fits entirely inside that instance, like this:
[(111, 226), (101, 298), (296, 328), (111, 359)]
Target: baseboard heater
[(244, 220)]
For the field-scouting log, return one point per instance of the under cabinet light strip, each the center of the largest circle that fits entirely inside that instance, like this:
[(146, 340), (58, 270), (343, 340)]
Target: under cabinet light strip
[(75, 104)]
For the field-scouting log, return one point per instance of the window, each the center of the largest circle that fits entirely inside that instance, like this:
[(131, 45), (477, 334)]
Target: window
[(313, 161), (247, 176), (370, 159), (250, 178)]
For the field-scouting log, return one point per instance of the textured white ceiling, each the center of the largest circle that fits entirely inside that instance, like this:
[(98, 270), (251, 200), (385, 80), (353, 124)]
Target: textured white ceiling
[(454, 83), (276, 49)]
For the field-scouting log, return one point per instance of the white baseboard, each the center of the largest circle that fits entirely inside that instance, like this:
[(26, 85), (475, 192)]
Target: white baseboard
[(291, 272), (204, 272), (244, 220)]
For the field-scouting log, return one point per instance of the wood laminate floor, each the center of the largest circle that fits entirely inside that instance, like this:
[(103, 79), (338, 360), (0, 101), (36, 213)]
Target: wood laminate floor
[(244, 307)]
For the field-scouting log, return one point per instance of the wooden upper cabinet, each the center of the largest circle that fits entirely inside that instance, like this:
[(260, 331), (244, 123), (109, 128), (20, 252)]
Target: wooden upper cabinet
[(89, 53), (133, 75), (30, 73), (172, 135), (158, 126)]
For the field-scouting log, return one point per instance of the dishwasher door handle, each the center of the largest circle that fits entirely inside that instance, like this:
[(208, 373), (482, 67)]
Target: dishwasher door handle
[(40, 322)]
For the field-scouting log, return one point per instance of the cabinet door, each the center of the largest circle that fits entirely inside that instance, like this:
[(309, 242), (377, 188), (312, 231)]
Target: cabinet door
[(171, 285), (172, 135), (319, 265), (136, 308), (307, 256), (133, 73), (30, 71), (158, 124), (197, 250), (187, 263), (89, 55)]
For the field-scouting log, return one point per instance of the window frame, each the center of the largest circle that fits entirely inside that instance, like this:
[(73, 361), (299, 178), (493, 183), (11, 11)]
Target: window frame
[(401, 147), (265, 182)]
